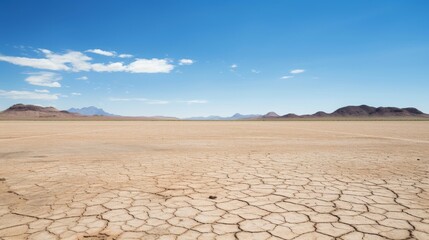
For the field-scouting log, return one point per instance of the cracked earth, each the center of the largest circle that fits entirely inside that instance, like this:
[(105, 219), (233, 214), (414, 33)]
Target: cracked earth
[(214, 180)]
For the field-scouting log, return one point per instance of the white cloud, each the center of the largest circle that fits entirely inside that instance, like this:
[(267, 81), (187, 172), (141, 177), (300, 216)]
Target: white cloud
[(102, 52), (255, 71), (82, 78), (39, 63), (72, 60), (185, 61), (125, 55), (111, 67), (145, 100), (297, 71), (77, 62), (76, 94), (153, 65), (45, 79), (195, 101), (286, 77), (127, 99), (234, 66), (27, 95), (157, 102), (152, 101), (42, 91)]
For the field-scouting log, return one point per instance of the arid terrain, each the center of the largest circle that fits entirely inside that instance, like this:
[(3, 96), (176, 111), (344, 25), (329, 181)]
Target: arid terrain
[(214, 180)]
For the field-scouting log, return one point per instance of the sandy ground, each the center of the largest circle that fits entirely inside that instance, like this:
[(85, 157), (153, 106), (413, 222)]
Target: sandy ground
[(214, 180)]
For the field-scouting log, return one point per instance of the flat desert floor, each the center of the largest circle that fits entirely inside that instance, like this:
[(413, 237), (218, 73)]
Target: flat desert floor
[(214, 180)]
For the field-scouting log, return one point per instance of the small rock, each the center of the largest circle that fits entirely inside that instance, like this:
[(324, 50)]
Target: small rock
[(2, 179), (212, 197)]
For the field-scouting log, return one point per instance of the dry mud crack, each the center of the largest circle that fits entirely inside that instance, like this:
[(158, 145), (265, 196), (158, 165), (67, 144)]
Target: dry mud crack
[(214, 180)]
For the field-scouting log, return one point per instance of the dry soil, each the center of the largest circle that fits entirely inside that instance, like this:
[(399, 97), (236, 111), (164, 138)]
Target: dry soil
[(214, 180)]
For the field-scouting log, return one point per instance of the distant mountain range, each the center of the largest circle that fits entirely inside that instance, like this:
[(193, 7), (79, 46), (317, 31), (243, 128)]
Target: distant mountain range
[(90, 111), (344, 112), (357, 111), (21, 111), (236, 116)]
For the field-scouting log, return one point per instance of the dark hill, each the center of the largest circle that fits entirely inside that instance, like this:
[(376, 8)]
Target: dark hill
[(33, 111), (364, 111), (320, 114), (23, 108), (291, 115), (271, 115)]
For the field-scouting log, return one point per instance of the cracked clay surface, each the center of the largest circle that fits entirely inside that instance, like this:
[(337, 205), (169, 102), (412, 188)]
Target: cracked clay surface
[(214, 180)]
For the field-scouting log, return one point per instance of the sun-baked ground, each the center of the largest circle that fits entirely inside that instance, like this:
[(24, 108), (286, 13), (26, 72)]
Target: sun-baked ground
[(214, 180)]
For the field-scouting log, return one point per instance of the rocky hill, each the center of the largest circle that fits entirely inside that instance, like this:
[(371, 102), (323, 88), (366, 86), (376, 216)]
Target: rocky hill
[(271, 115), (363, 111), (19, 111), (33, 112)]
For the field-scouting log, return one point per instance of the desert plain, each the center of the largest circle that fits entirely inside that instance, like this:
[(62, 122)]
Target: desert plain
[(214, 180)]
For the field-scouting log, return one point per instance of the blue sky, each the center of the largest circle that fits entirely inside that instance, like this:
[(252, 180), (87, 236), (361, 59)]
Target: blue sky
[(199, 58)]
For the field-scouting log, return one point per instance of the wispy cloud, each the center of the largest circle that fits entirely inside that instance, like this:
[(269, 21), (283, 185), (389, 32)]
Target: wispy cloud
[(255, 71), (125, 55), (102, 52), (145, 100), (185, 61), (111, 67), (152, 101), (153, 65), (286, 77), (76, 94), (297, 71), (82, 78), (196, 101), (45, 79), (27, 95), (70, 61), (39, 63), (157, 102), (234, 66), (77, 61), (42, 91), (113, 99)]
